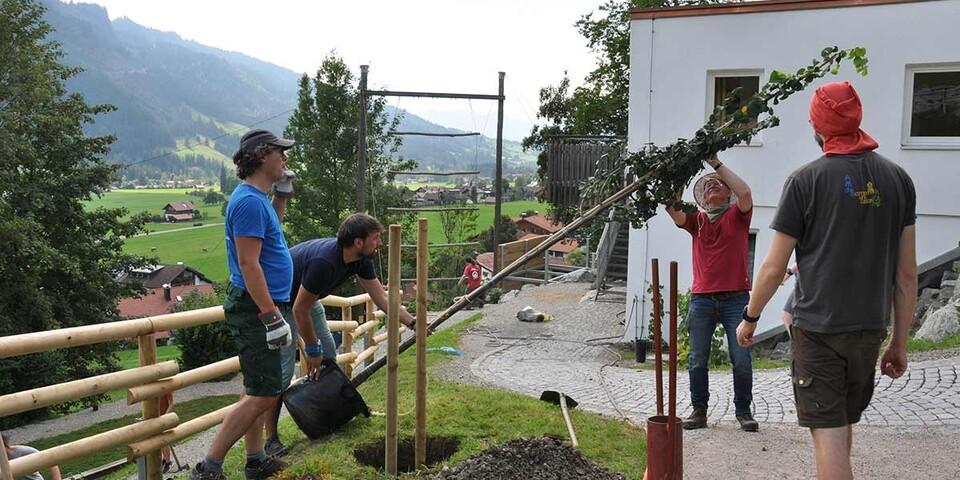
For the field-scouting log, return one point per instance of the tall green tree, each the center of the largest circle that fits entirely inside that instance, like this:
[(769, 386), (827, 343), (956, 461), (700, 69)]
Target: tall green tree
[(60, 261), (324, 126), (598, 106)]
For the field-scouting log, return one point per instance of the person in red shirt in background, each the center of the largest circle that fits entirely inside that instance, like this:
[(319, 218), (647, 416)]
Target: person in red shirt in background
[(472, 274), (721, 286)]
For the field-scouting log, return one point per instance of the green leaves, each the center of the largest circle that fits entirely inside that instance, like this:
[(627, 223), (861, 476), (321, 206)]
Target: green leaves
[(667, 170)]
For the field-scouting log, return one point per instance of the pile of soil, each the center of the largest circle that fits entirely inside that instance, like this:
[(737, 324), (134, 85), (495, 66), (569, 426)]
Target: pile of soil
[(546, 458)]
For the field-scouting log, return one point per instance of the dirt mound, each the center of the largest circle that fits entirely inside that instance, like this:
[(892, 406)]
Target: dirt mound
[(545, 458)]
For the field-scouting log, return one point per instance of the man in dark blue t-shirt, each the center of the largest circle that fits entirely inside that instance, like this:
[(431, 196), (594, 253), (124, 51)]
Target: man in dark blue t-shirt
[(319, 267)]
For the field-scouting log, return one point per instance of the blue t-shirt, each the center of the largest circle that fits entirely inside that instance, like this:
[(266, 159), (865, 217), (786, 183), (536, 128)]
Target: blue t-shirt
[(318, 266), (249, 214)]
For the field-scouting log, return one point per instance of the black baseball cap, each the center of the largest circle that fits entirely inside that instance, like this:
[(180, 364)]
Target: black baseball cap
[(258, 137)]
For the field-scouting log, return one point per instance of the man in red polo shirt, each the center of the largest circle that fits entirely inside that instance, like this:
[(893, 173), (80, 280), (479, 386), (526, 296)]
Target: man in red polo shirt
[(721, 286), (472, 274)]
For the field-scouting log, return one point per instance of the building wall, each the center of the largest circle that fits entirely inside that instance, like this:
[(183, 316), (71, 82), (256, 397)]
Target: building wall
[(670, 62)]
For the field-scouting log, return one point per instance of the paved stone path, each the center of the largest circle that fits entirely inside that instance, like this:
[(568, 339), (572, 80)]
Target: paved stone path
[(560, 355)]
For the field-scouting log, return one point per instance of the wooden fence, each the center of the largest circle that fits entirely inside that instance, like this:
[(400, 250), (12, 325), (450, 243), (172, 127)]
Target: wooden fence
[(150, 380)]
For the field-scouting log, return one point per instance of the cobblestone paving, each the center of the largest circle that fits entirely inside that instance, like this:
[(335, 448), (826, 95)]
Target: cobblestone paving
[(560, 355)]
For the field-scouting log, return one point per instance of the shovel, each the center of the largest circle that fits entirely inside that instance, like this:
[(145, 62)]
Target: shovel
[(564, 401)]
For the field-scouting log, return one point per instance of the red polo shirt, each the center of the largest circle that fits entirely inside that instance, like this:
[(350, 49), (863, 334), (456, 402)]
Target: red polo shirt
[(472, 272), (720, 251)]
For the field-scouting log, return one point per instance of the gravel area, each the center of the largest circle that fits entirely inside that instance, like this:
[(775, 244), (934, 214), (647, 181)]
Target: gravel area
[(525, 459)]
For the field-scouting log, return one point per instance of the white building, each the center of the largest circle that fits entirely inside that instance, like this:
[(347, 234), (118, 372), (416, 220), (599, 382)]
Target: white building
[(681, 57)]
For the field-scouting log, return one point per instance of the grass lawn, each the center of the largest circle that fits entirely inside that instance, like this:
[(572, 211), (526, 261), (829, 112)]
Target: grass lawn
[(188, 247), (479, 417), (919, 345), (186, 411), (152, 201), (484, 219), (131, 358)]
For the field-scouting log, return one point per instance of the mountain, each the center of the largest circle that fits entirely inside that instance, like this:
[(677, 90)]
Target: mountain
[(176, 95)]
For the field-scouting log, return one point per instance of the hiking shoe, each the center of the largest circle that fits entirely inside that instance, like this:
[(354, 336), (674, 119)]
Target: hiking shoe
[(697, 419), (264, 469), (275, 448), (747, 423), (199, 473)]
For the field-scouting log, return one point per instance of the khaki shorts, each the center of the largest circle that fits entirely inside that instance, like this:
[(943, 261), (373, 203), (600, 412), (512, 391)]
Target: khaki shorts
[(833, 375), (261, 367)]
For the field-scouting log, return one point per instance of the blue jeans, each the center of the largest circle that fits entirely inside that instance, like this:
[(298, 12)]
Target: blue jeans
[(289, 354), (702, 317)]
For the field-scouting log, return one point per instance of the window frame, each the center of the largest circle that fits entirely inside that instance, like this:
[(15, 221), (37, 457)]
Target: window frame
[(907, 141), (713, 75)]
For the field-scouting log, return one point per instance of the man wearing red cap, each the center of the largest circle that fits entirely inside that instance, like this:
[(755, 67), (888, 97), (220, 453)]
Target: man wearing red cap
[(849, 215)]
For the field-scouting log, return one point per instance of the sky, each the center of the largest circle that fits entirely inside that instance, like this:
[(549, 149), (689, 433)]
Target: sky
[(418, 45)]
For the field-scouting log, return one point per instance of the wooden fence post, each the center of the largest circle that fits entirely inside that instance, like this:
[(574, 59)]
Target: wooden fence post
[(151, 407), (420, 433), (370, 317), (5, 472), (346, 314), (393, 351)]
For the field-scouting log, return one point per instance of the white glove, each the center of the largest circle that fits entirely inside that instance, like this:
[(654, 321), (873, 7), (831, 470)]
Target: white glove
[(284, 186), (278, 331)]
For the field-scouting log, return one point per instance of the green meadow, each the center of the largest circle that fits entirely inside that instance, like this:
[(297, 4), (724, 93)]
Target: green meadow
[(203, 247)]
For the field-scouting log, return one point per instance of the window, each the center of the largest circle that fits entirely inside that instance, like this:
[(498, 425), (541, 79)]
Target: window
[(932, 106), (751, 252), (722, 83)]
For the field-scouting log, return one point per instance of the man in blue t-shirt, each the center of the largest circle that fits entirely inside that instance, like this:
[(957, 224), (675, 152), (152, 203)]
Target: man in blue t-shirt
[(319, 267), (258, 298)]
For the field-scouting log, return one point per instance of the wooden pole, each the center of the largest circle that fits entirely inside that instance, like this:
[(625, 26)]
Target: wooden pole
[(672, 408), (5, 472), (181, 380), (498, 179), (16, 345), (53, 394), (150, 406), (346, 315), (371, 317), (87, 446), (423, 259), (171, 436), (657, 335), (393, 354), (362, 141)]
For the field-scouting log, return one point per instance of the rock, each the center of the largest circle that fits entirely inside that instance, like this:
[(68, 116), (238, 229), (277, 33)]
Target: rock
[(947, 276), (781, 351), (940, 323), (928, 298), (956, 266), (577, 276), (506, 297)]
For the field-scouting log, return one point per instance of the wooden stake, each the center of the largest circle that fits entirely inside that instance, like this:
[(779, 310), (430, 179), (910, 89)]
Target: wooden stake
[(5, 472), (657, 335), (151, 406), (393, 353), (346, 315), (423, 259), (566, 418), (371, 317)]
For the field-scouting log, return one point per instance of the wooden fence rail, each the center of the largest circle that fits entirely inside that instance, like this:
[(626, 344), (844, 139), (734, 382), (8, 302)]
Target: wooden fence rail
[(150, 380)]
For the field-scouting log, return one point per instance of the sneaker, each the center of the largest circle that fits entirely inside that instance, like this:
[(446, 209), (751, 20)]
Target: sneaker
[(264, 470), (747, 423), (275, 448), (697, 419), (199, 473)]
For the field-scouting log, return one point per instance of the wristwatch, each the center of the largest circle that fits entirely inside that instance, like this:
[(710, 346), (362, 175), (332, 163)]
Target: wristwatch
[(747, 318)]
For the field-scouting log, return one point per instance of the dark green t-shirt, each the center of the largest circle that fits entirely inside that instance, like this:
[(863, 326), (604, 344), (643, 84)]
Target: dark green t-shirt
[(847, 213)]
